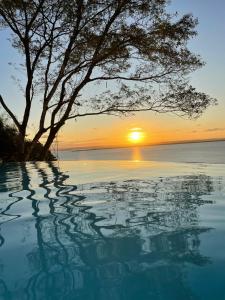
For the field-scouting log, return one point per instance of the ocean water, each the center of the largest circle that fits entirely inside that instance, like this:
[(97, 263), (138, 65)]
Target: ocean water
[(207, 152), (112, 230)]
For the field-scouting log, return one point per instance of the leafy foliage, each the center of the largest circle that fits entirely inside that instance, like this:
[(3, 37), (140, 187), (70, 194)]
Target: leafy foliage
[(10, 141), (69, 45)]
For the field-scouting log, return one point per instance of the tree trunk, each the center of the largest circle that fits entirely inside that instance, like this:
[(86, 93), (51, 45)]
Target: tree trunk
[(21, 149), (29, 150), (47, 145)]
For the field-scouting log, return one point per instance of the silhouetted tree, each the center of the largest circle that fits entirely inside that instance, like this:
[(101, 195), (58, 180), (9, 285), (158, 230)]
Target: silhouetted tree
[(10, 142), (69, 44)]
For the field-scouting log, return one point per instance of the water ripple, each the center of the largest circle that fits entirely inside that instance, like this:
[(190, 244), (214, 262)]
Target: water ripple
[(143, 238)]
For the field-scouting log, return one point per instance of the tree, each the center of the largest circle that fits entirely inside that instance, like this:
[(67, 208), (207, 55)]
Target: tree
[(70, 44), (10, 142)]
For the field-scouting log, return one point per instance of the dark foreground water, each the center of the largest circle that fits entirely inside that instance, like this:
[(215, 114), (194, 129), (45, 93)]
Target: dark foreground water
[(104, 230)]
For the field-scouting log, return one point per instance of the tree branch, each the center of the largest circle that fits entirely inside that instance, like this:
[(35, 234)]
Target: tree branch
[(86, 79), (10, 113)]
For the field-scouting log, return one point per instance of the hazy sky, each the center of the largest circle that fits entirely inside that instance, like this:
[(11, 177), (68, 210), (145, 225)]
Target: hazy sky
[(110, 131)]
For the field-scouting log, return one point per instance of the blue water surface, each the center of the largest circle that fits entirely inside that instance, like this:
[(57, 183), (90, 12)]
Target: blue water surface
[(112, 231)]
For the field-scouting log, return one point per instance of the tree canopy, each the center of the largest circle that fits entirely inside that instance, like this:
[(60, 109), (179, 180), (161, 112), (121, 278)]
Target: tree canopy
[(68, 45)]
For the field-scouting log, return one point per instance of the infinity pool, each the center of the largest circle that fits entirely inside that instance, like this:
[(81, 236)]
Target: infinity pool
[(112, 230)]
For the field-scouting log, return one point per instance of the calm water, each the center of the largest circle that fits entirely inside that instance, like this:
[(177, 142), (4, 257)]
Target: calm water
[(112, 230), (208, 152)]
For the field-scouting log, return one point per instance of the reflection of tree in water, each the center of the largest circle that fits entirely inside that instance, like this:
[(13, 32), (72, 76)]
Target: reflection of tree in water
[(157, 204), (128, 240)]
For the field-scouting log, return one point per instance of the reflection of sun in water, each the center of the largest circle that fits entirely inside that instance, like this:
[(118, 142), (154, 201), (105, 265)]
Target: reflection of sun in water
[(136, 135)]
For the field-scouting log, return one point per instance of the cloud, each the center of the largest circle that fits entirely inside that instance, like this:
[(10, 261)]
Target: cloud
[(45, 136), (91, 140), (214, 129), (82, 142)]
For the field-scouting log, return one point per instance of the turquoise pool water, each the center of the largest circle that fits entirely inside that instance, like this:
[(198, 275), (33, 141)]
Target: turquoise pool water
[(112, 230)]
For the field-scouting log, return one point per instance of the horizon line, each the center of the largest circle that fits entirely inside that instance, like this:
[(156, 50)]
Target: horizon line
[(75, 149)]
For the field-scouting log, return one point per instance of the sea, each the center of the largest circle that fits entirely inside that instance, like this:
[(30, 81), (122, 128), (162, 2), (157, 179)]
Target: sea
[(202, 152)]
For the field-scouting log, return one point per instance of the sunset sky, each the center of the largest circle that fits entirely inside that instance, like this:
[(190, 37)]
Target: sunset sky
[(105, 131)]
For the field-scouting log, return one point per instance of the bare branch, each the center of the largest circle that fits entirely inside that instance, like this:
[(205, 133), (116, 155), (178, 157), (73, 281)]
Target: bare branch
[(10, 113)]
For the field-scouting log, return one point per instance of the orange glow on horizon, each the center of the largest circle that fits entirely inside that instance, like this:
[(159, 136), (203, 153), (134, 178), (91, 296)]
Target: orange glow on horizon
[(142, 131)]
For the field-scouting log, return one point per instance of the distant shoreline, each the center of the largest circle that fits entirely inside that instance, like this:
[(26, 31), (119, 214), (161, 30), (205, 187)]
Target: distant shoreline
[(148, 145)]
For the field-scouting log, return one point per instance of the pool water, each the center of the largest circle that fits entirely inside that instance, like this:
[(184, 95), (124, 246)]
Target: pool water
[(112, 230)]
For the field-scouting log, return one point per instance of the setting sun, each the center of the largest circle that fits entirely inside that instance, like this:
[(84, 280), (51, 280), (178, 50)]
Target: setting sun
[(136, 135)]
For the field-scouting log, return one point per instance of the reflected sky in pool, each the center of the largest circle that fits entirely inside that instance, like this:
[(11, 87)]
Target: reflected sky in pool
[(112, 230)]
